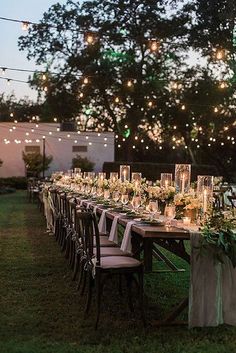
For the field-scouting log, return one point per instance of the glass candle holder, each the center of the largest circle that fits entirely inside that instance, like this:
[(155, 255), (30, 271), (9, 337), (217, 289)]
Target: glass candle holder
[(91, 175), (125, 173), (114, 176), (101, 176), (205, 185), (182, 177), (166, 179), (136, 176)]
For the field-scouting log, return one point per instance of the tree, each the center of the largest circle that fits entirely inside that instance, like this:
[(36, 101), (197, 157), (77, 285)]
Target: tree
[(121, 78), (123, 66), (83, 163), (35, 164)]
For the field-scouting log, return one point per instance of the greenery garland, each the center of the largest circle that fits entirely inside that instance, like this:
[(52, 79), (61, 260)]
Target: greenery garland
[(219, 232)]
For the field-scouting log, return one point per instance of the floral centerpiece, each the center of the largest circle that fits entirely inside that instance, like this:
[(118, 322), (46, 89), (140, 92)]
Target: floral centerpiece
[(187, 205)]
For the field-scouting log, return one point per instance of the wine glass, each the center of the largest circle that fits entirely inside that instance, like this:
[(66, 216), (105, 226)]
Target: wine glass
[(116, 196), (169, 214), (136, 202), (124, 199), (152, 208), (106, 194), (99, 192)]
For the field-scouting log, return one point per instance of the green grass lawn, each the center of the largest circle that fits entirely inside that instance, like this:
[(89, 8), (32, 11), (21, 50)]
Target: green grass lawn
[(41, 311)]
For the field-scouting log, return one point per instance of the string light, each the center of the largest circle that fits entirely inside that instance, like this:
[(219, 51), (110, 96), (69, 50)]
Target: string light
[(223, 85), (90, 38), (129, 83), (154, 45), (220, 54), (117, 100), (86, 80), (25, 25)]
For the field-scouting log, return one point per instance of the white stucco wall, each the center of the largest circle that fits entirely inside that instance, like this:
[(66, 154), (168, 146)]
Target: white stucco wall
[(11, 152)]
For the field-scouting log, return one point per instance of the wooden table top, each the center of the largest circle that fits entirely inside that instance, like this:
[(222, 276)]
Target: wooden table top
[(146, 231)]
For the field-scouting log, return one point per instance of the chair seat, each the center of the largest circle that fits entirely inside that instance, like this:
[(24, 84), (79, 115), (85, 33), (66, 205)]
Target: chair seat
[(105, 242), (119, 262), (111, 251)]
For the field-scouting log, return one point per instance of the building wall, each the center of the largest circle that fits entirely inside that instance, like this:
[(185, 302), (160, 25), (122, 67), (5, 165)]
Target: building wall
[(100, 147)]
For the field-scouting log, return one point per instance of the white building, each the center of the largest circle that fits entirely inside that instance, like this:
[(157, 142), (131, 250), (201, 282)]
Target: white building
[(61, 145)]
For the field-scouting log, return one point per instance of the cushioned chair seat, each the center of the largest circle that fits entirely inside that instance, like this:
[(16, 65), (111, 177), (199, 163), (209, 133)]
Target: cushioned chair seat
[(104, 241), (110, 251), (119, 262)]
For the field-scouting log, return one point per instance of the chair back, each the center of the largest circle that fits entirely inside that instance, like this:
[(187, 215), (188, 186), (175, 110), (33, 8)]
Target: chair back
[(87, 231)]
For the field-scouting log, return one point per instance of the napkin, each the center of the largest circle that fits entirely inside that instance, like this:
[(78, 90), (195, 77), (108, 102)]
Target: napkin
[(113, 233), (102, 225), (126, 242)]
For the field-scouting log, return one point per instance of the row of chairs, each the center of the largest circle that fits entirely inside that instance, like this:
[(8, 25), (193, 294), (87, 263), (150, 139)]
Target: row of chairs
[(91, 256)]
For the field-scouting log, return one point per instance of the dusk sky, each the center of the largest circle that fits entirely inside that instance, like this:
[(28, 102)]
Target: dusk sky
[(28, 10)]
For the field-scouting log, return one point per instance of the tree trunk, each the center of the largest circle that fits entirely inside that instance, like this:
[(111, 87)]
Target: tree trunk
[(192, 155)]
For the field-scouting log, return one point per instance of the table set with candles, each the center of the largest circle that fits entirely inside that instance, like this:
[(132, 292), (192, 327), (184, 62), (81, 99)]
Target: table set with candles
[(169, 215)]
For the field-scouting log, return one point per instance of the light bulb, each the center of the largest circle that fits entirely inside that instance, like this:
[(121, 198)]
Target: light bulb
[(25, 25)]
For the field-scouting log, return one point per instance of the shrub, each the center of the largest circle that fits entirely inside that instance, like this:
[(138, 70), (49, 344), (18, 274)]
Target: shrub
[(84, 163), (13, 182), (34, 163)]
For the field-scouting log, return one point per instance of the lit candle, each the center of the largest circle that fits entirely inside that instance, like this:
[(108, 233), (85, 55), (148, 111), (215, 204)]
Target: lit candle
[(183, 182), (186, 221), (124, 174), (205, 201)]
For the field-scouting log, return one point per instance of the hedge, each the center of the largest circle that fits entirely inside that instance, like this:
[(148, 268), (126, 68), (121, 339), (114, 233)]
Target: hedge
[(13, 182)]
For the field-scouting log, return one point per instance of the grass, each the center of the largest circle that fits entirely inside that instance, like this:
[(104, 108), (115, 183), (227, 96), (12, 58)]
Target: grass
[(41, 312)]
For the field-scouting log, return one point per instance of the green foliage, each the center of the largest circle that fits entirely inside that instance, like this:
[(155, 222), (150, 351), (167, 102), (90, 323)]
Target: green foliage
[(219, 233), (121, 53), (34, 163), (82, 162), (14, 182)]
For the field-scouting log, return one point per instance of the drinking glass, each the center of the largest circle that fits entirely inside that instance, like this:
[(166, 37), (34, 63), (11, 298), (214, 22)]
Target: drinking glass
[(152, 208), (124, 199), (116, 196), (136, 202), (169, 214), (106, 194)]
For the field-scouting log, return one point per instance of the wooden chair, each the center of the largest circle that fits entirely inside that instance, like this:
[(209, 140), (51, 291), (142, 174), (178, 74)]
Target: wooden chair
[(99, 267)]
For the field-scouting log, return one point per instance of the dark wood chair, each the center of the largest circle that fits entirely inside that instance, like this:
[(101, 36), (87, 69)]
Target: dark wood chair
[(100, 267)]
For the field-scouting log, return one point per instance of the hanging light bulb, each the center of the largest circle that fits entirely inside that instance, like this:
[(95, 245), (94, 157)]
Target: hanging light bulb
[(44, 77), (223, 85), (216, 110), (3, 70), (81, 95), (129, 83), (25, 25), (183, 107), (117, 99), (150, 104), (220, 54), (8, 81), (45, 89), (154, 45), (90, 38), (86, 81)]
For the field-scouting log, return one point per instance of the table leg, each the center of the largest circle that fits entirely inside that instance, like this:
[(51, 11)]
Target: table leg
[(147, 248)]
